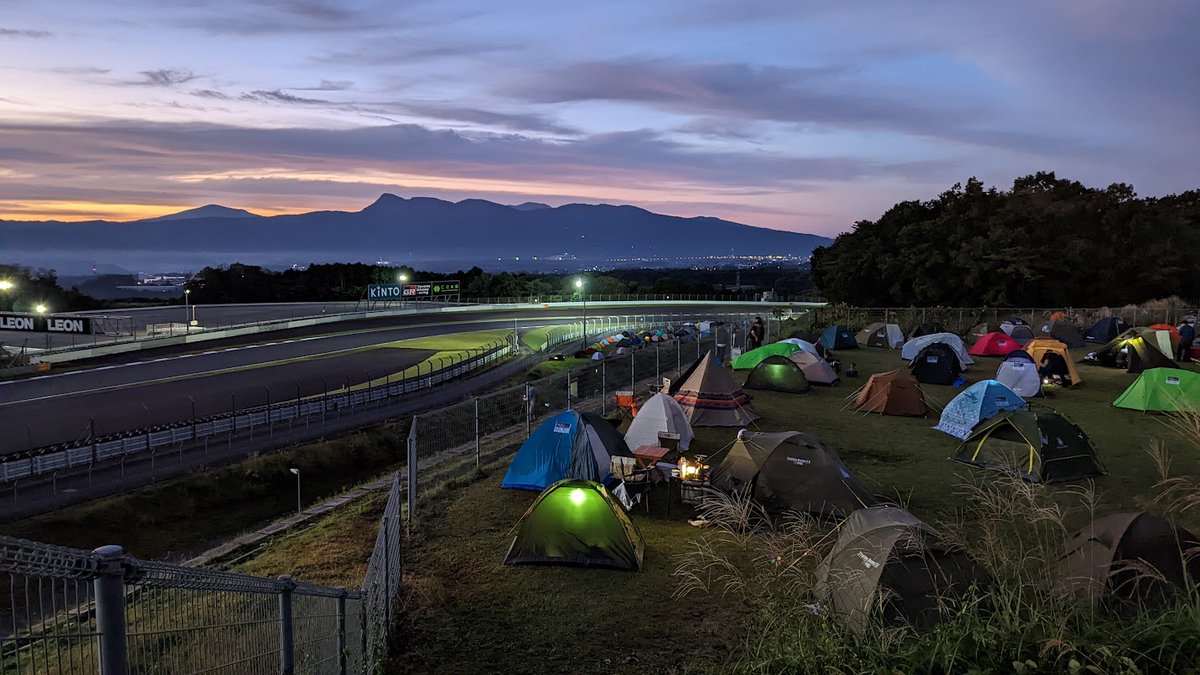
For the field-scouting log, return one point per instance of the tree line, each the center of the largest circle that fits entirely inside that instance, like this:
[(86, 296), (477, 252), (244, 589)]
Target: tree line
[(1045, 242)]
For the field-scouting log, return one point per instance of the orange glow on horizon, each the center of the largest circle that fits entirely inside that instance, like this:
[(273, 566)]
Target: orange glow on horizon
[(79, 211)]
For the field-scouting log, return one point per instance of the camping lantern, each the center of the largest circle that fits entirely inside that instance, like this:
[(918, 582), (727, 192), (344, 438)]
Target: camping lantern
[(693, 470)]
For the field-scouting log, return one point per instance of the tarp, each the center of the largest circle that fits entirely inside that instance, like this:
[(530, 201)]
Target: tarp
[(885, 335), (778, 373), (1040, 446), (891, 393), (994, 344), (1162, 390), (1018, 372), (790, 471), (978, 402), (659, 414), (710, 398), (576, 522), (816, 369), (752, 358), (570, 444), (914, 346), (838, 337), (803, 344)]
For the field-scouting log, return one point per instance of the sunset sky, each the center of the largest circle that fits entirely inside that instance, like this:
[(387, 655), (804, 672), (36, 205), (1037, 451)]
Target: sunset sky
[(795, 115)]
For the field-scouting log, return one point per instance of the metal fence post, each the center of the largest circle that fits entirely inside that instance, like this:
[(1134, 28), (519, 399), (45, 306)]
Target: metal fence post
[(657, 374), (387, 573), (287, 645), (477, 432), (603, 390), (528, 410), (341, 630), (412, 469), (568, 388), (109, 588)]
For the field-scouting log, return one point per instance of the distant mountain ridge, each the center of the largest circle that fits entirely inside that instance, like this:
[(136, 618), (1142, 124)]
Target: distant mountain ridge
[(412, 229)]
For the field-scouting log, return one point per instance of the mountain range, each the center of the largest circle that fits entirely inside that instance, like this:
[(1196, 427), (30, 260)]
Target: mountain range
[(412, 230)]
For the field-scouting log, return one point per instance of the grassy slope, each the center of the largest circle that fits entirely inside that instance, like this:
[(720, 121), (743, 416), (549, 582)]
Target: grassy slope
[(471, 608)]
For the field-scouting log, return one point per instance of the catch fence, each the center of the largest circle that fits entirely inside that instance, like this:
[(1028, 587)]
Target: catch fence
[(74, 611)]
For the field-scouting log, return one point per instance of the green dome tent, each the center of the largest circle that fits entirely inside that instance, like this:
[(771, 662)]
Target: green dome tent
[(1162, 390), (1040, 446), (778, 373), (755, 356), (576, 522)]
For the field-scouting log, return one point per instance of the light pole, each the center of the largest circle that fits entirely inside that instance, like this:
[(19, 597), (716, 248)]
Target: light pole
[(41, 309), (297, 472), (187, 310), (6, 287), (579, 287), (403, 278)]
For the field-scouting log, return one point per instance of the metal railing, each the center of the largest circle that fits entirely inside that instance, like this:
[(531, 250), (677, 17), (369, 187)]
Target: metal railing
[(961, 319)]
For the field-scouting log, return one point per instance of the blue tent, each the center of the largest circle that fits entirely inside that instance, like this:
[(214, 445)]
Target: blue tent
[(978, 402), (570, 444), (838, 337)]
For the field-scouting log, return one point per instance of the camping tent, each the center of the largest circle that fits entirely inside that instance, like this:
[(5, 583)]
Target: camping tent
[(1022, 334), (888, 564), (921, 330), (974, 404), (914, 346), (1162, 390), (1044, 345), (778, 373), (1172, 330), (790, 471), (577, 522), (994, 344), (1065, 332), (753, 357), (1137, 349), (803, 344), (1018, 372), (891, 393), (936, 364), (710, 398), (1016, 321), (1040, 446), (816, 369), (1106, 329), (886, 335), (1131, 557), (571, 444), (660, 414), (687, 373), (838, 337)]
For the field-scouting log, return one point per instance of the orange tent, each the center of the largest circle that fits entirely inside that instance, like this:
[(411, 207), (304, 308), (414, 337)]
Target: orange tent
[(1058, 316), (1170, 329), (892, 393), (1040, 346)]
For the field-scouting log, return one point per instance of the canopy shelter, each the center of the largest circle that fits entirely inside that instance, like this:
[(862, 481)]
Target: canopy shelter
[(816, 369), (978, 402), (1039, 348), (1162, 390), (884, 335), (778, 373), (790, 471), (1131, 558), (752, 358), (571, 444), (577, 522), (914, 346), (1040, 446), (891, 393), (710, 398), (661, 414), (888, 566)]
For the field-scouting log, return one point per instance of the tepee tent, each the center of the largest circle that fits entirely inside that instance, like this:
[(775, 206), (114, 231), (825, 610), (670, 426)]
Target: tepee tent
[(576, 522), (660, 414), (710, 398)]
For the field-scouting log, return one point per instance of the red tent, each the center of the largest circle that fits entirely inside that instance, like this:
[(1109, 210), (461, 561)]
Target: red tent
[(994, 344)]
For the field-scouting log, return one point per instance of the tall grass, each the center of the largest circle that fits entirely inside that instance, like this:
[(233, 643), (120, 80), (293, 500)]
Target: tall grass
[(1023, 620)]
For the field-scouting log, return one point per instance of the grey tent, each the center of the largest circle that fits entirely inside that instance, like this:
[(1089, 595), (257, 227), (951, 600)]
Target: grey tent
[(1131, 558), (889, 566), (790, 471), (1065, 332)]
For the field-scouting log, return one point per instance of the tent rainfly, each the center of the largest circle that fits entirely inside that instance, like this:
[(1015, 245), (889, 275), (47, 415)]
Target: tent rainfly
[(752, 358)]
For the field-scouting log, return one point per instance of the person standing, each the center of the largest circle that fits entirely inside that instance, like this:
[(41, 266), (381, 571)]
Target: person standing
[(1187, 335), (755, 337)]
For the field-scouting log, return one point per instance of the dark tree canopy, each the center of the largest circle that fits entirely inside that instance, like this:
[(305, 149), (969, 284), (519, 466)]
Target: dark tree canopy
[(1046, 242)]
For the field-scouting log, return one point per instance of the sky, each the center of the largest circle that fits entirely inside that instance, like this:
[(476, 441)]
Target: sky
[(803, 116)]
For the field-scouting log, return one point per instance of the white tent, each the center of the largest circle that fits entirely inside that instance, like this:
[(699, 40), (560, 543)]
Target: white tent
[(803, 344), (1021, 376), (914, 346), (659, 414)]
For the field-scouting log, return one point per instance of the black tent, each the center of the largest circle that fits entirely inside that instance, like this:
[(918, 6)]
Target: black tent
[(925, 329), (1106, 329), (1065, 332), (936, 364)]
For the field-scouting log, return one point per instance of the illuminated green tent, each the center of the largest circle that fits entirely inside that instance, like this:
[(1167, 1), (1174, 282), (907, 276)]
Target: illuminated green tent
[(755, 356), (1162, 390), (576, 522), (778, 373)]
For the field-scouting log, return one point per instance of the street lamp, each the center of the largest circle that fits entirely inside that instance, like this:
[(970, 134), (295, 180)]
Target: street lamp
[(6, 286), (403, 278), (41, 309), (297, 472), (187, 309), (579, 287)]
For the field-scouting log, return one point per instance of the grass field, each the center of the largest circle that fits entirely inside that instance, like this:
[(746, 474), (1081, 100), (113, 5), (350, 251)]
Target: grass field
[(467, 610)]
